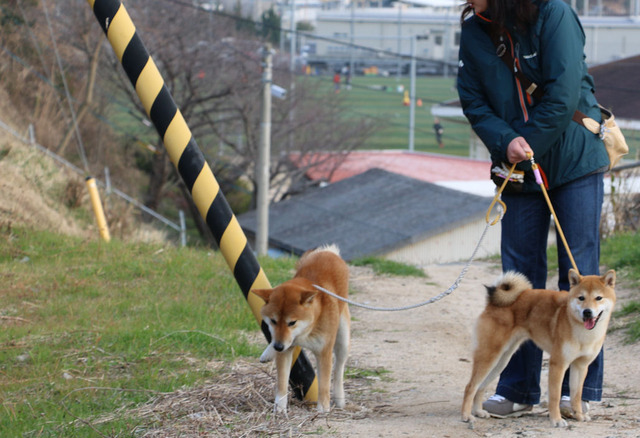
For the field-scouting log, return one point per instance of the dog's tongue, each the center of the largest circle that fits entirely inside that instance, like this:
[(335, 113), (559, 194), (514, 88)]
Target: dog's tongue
[(589, 323)]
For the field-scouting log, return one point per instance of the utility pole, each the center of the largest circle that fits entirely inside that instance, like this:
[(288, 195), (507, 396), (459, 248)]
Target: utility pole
[(399, 72), (352, 72), (412, 95), (292, 66), (264, 156)]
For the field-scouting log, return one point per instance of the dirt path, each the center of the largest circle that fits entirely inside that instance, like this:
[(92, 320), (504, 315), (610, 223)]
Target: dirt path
[(426, 352)]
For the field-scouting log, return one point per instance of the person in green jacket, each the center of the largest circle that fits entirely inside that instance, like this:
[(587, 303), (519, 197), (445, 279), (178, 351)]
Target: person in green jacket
[(546, 41)]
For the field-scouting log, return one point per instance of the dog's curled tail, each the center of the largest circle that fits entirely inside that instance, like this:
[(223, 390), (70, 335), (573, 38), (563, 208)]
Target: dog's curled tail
[(332, 247), (507, 288)]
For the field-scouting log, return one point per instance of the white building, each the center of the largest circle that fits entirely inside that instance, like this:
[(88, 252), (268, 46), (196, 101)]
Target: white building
[(379, 34)]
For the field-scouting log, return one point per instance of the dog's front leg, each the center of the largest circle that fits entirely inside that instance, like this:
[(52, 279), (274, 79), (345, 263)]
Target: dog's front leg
[(341, 353), (556, 373), (283, 367), (576, 381), (268, 354), (324, 359)]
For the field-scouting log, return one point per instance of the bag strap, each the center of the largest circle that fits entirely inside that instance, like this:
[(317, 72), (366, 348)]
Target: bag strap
[(504, 53)]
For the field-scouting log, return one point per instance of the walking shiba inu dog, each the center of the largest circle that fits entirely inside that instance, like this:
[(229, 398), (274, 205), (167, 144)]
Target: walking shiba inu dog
[(571, 327), (298, 314)]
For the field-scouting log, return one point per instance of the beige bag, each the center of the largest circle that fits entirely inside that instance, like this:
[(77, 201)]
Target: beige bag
[(610, 133)]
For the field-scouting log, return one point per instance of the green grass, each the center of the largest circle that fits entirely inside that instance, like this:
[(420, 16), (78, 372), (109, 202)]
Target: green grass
[(382, 266), (88, 328), (622, 253)]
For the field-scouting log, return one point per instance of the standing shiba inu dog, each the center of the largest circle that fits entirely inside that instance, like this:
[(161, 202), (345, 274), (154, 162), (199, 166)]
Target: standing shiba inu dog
[(298, 314), (571, 327)]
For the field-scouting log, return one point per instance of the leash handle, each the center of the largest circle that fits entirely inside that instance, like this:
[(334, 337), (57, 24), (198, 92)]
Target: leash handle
[(497, 200)]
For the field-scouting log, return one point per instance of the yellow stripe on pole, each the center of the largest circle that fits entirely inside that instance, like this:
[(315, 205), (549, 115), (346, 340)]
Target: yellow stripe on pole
[(205, 190), (254, 301), (233, 241), (120, 32), (149, 85), (176, 138)]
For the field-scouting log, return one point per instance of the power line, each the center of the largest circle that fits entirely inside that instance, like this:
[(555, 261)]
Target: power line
[(66, 90)]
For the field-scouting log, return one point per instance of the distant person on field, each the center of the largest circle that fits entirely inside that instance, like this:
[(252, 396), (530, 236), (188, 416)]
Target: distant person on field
[(439, 130)]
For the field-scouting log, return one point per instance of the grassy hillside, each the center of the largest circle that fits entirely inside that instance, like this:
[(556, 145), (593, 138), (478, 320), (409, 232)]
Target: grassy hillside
[(89, 328)]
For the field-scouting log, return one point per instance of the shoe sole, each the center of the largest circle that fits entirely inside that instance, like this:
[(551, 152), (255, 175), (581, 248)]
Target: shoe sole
[(514, 414)]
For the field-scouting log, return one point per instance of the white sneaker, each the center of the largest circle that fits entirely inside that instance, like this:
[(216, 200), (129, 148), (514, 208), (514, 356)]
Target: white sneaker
[(565, 407)]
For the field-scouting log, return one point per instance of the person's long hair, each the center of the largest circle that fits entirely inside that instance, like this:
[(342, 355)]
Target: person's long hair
[(522, 13)]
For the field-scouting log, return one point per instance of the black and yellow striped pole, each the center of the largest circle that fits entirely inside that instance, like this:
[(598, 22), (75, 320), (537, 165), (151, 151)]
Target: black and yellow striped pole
[(194, 170)]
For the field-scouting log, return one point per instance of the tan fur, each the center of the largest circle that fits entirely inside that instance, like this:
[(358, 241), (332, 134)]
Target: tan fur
[(298, 314), (558, 322)]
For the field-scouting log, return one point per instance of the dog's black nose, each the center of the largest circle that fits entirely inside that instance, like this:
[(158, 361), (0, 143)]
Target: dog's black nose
[(278, 346), (587, 313)]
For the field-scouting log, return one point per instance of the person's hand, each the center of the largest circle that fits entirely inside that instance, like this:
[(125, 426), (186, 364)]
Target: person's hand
[(518, 149)]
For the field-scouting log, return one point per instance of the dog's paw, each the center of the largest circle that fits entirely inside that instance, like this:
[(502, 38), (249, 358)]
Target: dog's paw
[(481, 413), (268, 354), (339, 402), (467, 418), (323, 409), (280, 405), (559, 423), (581, 417)]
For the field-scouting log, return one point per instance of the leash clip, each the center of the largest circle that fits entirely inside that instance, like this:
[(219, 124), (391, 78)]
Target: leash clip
[(501, 50), (603, 131)]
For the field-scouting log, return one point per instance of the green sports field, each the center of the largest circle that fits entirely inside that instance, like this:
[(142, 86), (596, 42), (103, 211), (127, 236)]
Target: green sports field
[(381, 99)]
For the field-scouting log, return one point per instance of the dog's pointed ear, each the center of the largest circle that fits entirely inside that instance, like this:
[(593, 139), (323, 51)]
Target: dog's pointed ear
[(574, 277), (609, 278), (263, 293), (307, 296)]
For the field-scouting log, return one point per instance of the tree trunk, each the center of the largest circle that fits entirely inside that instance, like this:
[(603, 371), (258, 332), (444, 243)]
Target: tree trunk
[(157, 179), (88, 100)]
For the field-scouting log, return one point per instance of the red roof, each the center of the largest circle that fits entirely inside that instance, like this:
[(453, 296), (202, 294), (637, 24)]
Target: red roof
[(428, 167)]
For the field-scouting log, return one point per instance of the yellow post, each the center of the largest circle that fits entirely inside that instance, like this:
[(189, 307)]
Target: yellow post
[(97, 209)]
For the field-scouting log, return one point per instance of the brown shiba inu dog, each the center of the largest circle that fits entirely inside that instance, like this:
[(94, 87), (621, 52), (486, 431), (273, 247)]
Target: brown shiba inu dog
[(571, 327), (298, 314)]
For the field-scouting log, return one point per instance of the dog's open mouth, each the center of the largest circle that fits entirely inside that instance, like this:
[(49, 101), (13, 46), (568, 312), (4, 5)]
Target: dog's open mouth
[(590, 323)]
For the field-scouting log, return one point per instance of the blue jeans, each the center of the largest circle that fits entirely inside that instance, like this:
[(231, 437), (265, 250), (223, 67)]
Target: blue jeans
[(525, 228)]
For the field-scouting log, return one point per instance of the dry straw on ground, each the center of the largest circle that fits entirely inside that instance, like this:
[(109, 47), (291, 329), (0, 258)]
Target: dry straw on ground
[(238, 403)]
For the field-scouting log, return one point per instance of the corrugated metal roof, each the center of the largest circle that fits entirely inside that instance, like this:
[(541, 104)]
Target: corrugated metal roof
[(616, 86), (370, 213)]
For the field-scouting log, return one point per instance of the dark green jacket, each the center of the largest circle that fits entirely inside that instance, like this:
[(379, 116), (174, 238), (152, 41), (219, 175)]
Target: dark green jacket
[(552, 56)]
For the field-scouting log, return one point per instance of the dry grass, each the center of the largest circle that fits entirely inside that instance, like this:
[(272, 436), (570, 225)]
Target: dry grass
[(239, 403)]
